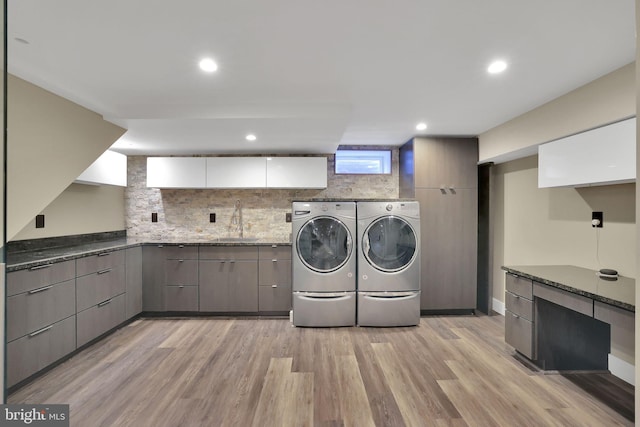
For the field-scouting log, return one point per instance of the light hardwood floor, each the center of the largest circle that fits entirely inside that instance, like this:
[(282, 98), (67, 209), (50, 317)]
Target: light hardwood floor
[(449, 371)]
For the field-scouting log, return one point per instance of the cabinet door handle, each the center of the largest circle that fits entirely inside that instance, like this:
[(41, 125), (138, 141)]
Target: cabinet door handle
[(181, 246), (106, 270), (181, 286), (274, 286), (516, 296), (39, 331), (274, 260), (274, 246), (516, 316), (180, 260), (232, 260), (35, 291), (103, 303), (161, 246), (104, 254), (40, 267)]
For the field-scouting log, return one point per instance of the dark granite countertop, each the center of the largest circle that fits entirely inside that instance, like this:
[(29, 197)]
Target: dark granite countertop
[(23, 260), (582, 281)]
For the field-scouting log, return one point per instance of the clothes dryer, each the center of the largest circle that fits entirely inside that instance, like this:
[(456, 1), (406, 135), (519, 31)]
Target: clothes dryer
[(388, 263), (324, 263)]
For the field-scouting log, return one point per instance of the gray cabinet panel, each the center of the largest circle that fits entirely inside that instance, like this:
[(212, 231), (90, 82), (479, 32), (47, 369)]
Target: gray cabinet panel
[(445, 162), (103, 261), (519, 285), (274, 252), (519, 305), (37, 277), (181, 272), (153, 257), (100, 318), (229, 252), (519, 334), (133, 271), (33, 310), (97, 287), (274, 298), (275, 272), (29, 354), (228, 286), (562, 298), (448, 223), (180, 252), (181, 298)]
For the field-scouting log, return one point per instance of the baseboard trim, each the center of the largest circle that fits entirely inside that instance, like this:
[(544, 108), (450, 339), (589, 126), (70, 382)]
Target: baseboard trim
[(622, 369), (497, 306)]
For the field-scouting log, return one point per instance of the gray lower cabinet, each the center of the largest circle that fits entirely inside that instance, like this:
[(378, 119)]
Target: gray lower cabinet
[(39, 277), (228, 279), (133, 271), (100, 318), (33, 352), (519, 315), (274, 279), (100, 286), (153, 257), (181, 298), (449, 228)]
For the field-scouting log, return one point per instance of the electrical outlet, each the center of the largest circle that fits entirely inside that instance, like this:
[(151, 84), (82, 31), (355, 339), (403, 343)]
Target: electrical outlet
[(212, 217), (596, 219), (40, 221), (287, 217), (154, 217)]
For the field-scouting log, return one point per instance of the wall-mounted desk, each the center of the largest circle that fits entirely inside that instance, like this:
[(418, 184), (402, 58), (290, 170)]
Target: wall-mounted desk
[(567, 318)]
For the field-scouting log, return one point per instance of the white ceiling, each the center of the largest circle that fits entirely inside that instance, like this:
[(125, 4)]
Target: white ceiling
[(305, 75)]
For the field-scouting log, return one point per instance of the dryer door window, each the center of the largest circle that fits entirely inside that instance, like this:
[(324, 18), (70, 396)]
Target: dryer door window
[(324, 244), (389, 244)]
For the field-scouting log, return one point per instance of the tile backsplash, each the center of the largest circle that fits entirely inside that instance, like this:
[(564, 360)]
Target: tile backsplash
[(184, 213)]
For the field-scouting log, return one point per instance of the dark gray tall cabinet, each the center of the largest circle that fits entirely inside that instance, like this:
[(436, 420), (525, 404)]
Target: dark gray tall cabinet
[(441, 173)]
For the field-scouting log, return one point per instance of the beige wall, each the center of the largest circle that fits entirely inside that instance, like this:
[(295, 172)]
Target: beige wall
[(637, 93), (603, 101), (80, 209), (50, 142)]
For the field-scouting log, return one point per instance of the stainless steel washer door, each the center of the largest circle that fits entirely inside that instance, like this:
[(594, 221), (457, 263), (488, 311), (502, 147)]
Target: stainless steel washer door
[(389, 244), (324, 244)]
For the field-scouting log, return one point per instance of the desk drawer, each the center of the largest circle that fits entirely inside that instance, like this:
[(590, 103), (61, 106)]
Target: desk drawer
[(519, 306), (565, 299), (519, 334), (519, 286)]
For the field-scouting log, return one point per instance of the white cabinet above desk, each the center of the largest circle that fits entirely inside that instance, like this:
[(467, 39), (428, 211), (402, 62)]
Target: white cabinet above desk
[(176, 172), (297, 172), (236, 172)]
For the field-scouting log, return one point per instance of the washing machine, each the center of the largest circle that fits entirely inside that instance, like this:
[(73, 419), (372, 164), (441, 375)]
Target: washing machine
[(324, 263), (388, 263)]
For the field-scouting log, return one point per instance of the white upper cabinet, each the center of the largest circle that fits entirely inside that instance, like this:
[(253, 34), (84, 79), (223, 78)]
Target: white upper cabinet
[(236, 172), (297, 172), (605, 155), (109, 169), (176, 172)]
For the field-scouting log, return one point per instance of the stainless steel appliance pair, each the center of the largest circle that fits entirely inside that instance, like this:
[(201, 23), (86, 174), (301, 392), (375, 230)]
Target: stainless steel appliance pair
[(356, 263)]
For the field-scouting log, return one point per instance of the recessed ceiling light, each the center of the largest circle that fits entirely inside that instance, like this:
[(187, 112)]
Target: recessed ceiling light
[(421, 126), (251, 137), (208, 65), (497, 67)]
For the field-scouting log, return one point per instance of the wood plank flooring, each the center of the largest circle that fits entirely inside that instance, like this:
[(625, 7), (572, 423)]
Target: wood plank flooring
[(449, 371)]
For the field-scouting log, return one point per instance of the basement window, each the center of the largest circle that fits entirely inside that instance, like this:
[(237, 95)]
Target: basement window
[(363, 162)]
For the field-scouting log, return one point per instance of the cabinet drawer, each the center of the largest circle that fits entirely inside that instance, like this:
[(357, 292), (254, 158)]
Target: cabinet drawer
[(614, 316), (274, 252), (518, 332), (180, 252), (100, 318), (33, 310), (519, 286), (519, 306), (29, 354), (181, 272), (229, 252), (37, 277), (565, 299), (181, 298), (274, 298), (97, 287), (103, 261), (274, 272)]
